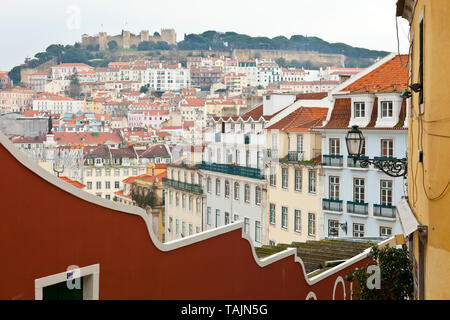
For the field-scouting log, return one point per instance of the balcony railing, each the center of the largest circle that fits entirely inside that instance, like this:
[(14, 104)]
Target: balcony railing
[(351, 163), (358, 207), (295, 156), (332, 205), (183, 186), (254, 173), (333, 160), (384, 211)]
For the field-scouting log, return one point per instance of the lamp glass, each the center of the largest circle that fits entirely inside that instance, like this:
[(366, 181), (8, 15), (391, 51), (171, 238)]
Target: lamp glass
[(354, 142)]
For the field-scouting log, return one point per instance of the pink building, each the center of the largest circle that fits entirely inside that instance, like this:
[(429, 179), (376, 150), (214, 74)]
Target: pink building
[(16, 99), (5, 81), (147, 118)]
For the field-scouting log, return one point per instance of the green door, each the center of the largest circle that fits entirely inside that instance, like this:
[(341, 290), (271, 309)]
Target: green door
[(60, 291)]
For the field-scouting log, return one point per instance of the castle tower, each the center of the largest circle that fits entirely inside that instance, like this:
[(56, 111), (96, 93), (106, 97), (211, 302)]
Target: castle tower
[(144, 35), (84, 40), (103, 40), (169, 36), (126, 39)]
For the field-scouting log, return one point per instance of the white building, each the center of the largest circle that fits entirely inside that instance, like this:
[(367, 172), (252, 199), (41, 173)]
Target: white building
[(60, 105), (65, 70), (167, 78), (233, 169)]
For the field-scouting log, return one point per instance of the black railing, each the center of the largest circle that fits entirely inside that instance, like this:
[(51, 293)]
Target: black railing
[(254, 173), (332, 205), (333, 160), (295, 156), (384, 211), (358, 207), (183, 186)]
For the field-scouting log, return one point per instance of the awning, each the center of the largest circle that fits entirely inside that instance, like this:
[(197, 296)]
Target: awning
[(407, 218)]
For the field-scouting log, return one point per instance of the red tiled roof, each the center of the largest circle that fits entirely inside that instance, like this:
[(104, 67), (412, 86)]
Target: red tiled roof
[(302, 119), (73, 182), (389, 77), (340, 116), (312, 96), (76, 137)]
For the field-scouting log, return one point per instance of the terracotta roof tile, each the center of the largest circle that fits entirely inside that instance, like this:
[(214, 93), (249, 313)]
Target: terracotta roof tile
[(340, 116), (389, 77), (302, 119)]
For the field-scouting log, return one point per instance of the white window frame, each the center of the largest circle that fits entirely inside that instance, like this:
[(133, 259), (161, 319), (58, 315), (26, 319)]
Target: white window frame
[(90, 275)]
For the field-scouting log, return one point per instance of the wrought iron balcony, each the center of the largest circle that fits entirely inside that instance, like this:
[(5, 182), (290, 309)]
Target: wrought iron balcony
[(183, 186), (254, 173), (332, 205), (384, 211), (333, 160), (358, 207), (351, 163)]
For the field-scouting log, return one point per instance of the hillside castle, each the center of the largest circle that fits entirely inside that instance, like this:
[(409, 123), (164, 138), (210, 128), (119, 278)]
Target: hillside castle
[(126, 40)]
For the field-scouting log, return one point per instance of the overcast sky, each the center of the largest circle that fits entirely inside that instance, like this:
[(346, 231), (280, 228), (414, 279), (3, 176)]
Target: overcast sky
[(30, 26)]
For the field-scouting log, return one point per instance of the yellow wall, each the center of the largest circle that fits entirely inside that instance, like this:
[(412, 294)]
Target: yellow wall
[(428, 181)]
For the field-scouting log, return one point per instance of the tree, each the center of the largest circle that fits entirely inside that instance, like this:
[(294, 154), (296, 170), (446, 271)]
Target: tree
[(144, 89), (14, 74), (395, 275), (112, 45), (281, 62), (74, 86), (257, 55)]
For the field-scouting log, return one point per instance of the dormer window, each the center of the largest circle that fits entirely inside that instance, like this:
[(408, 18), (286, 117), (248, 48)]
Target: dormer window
[(360, 110), (386, 109)]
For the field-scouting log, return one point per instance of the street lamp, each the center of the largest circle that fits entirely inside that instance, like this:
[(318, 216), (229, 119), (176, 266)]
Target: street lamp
[(391, 166)]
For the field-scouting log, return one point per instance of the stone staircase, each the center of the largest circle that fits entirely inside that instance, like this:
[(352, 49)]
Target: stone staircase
[(315, 253)]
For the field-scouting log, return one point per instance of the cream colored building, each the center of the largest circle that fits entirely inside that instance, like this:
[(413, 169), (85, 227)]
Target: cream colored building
[(294, 177), (185, 201), (97, 108)]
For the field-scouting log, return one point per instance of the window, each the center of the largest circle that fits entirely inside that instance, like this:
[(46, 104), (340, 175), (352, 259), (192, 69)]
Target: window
[(197, 229), (236, 191), (333, 228), (247, 193), (89, 185), (208, 216), (177, 199), (258, 195), (284, 178), (257, 231), (170, 197), (198, 205), (246, 225), (386, 109), (386, 192), (298, 221), (125, 172), (208, 185), (108, 172), (170, 224), (298, 180), (183, 201), (99, 185), (116, 172), (312, 181), (217, 218), (191, 203), (358, 190), (183, 229), (387, 148), (227, 218), (218, 187), (272, 214), (107, 185), (299, 143), (177, 227), (227, 189), (311, 224), (359, 110), (358, 230), (284, 217), (190, 229), (273, 177), (98, 172), (385, 232), (89, 172), (335, 146), (116, 184), (334, 188)]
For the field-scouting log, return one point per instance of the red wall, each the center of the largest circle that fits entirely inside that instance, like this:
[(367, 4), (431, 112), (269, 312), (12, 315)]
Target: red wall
[(44, 229)]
